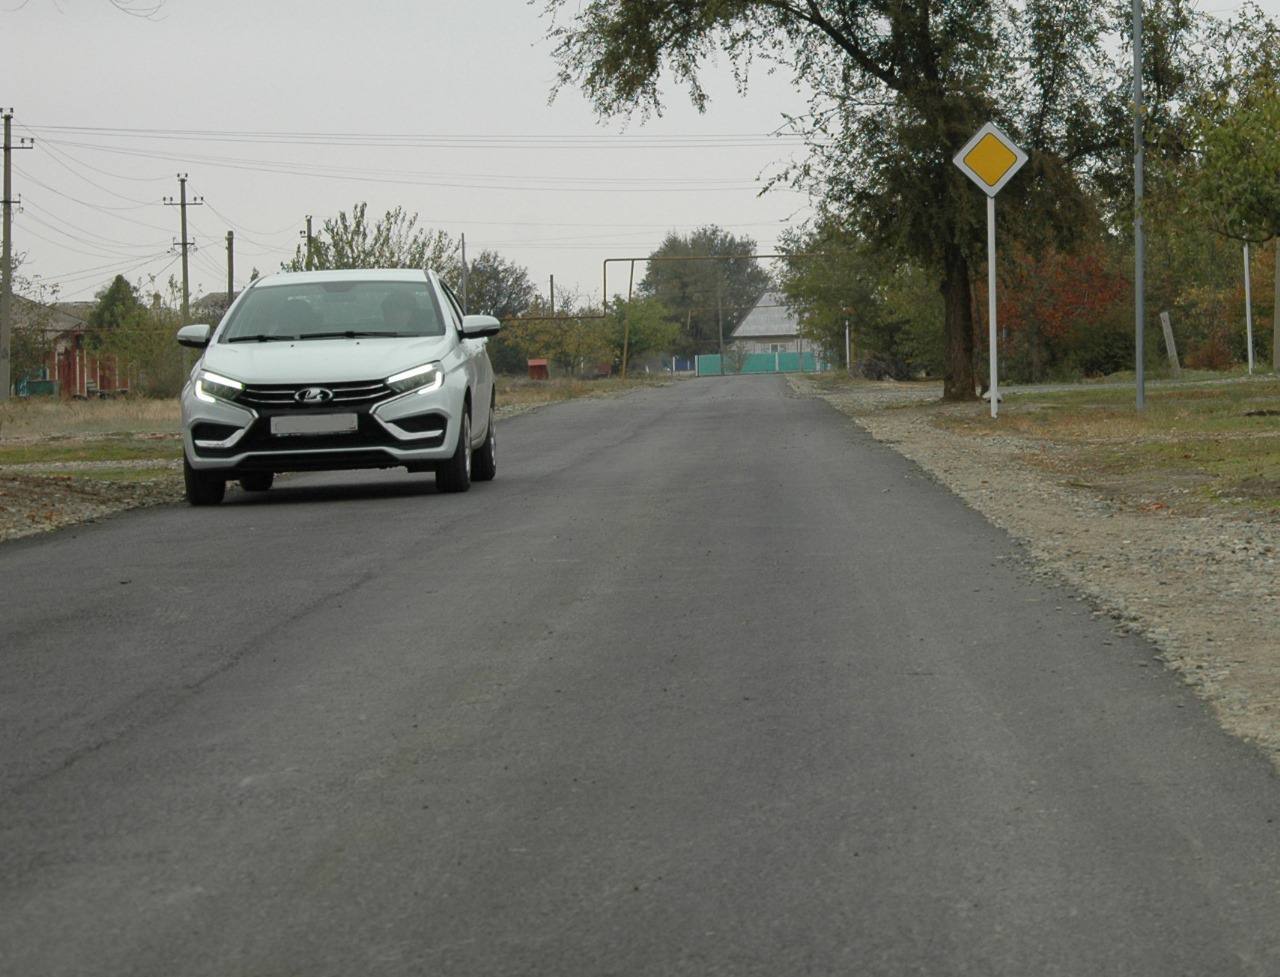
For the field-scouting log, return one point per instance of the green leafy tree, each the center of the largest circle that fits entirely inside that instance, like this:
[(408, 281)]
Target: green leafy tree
[(574, 339), (1240, 171), (392, 241), (702, 296), (892, 308), (498, 287), (118, 306), (899, 87), (144, 341), (644, 324)]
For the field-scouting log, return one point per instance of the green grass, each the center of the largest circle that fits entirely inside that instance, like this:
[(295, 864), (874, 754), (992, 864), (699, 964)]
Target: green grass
[(1193, 445), (131, 475), (69, 449)]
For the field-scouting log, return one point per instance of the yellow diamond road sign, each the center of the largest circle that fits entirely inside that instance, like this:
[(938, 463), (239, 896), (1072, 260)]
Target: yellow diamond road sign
[(990, 159)]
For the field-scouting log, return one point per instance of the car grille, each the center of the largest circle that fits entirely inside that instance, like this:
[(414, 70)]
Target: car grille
[(354, 393)]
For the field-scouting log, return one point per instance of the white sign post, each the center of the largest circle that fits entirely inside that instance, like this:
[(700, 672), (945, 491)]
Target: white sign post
[(990, 159), (1248, 307)]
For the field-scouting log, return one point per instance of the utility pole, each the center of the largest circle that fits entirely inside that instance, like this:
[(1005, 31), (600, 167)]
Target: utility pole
[(720, 325), (182, 203), (464, 274), (6, 255), (626, 321), (1139, 238), (1248, 307), (306, 258), (231, 267), (553, 295)]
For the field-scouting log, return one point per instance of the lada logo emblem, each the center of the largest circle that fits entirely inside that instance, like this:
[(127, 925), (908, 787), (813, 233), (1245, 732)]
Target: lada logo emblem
[(313, 395)]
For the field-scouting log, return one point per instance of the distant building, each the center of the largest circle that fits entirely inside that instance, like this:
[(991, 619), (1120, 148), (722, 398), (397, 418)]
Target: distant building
[(69, 369), (770, 327)]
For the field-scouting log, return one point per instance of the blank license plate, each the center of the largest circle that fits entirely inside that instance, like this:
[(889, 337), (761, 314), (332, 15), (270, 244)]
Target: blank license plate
[(314, 424)]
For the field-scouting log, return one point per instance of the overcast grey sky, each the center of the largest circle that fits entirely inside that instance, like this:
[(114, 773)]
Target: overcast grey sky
[(227, 87)]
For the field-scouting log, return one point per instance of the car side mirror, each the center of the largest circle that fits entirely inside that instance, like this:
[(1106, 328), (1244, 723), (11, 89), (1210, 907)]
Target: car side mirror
[(476, 326), (197, 336)]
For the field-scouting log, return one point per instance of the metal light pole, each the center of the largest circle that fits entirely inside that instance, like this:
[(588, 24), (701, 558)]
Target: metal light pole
[(1248, 306), (1139, 237)]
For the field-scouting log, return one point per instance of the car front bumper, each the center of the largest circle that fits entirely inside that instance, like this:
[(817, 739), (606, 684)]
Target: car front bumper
[(416, 430)]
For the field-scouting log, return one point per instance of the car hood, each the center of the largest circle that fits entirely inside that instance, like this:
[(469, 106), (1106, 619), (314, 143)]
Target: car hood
[(322, 360)]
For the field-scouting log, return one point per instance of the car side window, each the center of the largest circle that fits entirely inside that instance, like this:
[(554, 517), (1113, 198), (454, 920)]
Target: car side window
[(453, 304)]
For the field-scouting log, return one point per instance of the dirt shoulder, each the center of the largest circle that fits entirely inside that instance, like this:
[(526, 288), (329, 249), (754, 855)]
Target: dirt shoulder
[(1177, 552)]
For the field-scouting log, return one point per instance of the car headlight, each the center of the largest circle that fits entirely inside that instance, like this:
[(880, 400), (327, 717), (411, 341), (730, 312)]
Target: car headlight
[(210, 387), (423, 379)]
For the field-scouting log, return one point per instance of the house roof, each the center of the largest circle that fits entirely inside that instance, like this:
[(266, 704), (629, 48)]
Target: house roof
[(769, 318)]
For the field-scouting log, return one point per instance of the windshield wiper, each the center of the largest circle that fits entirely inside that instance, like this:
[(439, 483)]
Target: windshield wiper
[(261, 337), (349, 334)]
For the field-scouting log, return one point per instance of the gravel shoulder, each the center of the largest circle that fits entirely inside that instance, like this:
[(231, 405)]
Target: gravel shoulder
[(1203, 587)]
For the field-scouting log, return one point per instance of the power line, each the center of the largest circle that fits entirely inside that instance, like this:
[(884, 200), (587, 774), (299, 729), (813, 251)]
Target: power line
[(108, 269), (562, 141), (415, 178), (85, 203), (78, 230), (56, 155)]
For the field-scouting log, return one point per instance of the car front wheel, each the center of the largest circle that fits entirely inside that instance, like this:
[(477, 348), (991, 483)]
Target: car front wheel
[(203, 488), (455, 474)]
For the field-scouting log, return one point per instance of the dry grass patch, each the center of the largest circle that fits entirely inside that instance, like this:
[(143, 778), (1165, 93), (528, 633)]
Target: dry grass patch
[(39, 417), (1193, 448)]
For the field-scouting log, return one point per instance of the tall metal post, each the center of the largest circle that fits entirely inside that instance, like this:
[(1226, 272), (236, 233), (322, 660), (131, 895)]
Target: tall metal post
[(626, 320), (848, 350), (1139, 236), (553, 294), (231, 267), (720, 325), (1248, 306), (993, 387)]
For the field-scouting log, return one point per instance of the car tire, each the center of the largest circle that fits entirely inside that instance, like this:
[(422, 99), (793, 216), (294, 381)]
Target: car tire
[(455, 474), (484, 461), (203, 488), (257, 481)]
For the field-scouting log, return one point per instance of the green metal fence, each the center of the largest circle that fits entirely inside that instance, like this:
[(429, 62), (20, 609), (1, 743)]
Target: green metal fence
[(713, 366)]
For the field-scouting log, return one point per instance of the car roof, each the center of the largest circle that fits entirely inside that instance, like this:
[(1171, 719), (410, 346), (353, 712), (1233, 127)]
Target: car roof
[(343, 275)]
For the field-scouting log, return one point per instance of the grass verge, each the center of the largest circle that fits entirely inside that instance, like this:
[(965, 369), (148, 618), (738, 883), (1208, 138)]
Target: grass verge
[(1212, 445)]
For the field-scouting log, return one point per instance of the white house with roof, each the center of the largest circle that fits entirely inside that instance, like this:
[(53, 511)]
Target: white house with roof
[(770, 327)]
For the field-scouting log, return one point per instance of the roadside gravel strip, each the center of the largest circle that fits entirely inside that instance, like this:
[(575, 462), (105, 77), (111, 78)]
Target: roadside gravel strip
[(1205, 590), (57, 496)]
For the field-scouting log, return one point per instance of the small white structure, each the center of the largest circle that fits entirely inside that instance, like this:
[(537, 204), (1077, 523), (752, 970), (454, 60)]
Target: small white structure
[(770, 327)]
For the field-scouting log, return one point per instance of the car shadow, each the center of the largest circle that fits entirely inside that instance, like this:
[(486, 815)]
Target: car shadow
[(285, 493)]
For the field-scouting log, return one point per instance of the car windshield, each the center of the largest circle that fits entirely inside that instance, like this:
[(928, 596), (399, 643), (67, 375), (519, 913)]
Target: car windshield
[(335, 310)]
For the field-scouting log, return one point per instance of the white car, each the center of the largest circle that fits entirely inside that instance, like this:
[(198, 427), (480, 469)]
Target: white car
[(328, 370)]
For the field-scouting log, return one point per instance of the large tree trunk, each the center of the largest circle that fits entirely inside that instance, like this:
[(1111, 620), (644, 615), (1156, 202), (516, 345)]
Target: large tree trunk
[(957, 326)]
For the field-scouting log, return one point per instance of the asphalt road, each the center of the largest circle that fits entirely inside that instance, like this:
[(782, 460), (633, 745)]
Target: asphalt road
[(706, 682)]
